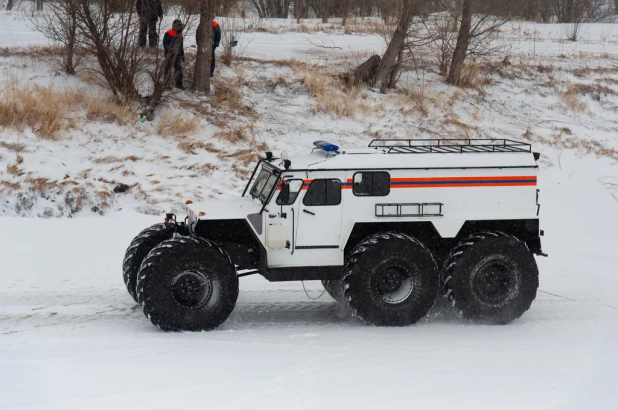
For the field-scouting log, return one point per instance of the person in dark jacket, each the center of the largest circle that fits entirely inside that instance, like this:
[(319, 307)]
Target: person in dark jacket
[(149, 12), (216, 31), (174, 53)]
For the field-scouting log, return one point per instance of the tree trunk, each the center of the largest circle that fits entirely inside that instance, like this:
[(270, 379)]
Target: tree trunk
[(298, 10), (203, 58), (9, 5), (461, 48), (364, 73), (389, 58), (393, 78), (345, 10), (616, 6), (39, 5)]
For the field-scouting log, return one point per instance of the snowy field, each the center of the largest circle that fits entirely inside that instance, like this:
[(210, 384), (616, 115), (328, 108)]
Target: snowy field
[(72, 338)]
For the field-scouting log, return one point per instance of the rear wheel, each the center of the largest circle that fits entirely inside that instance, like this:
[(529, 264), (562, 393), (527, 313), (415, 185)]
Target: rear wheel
[(334, 289), (390, 279), (187, 283), (490, 277), (137, 251)]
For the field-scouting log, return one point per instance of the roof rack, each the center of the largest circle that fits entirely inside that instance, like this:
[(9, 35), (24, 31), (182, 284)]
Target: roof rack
[(448, 146)]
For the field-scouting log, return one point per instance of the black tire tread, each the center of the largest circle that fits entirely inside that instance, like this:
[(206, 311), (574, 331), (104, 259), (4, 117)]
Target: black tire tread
[(334, 289), (353, 258), (135, 254), (452, 260), (149, 266)]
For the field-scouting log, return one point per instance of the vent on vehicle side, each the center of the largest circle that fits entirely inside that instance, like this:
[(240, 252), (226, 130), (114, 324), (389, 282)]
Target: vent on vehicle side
[(409, 209)]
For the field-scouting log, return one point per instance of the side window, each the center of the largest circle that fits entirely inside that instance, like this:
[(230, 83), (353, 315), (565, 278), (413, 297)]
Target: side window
[(371, 184), (323, 192), (295, 187)]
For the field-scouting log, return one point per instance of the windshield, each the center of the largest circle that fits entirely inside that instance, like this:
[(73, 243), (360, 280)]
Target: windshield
[(264, 184)]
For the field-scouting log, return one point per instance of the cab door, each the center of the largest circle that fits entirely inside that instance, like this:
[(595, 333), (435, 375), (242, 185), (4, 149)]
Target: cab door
[(319, 217), (282, 222)]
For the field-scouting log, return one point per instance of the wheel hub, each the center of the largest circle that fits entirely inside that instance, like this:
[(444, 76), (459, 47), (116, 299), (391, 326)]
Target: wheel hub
[(495, 282), (390, 280), (191, 289), (394, 285)]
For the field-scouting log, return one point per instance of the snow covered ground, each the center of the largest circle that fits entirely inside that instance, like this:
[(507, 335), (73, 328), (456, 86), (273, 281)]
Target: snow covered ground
[(72, 338)]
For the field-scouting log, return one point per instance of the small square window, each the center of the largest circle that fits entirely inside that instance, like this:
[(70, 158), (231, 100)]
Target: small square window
[(371, 184)]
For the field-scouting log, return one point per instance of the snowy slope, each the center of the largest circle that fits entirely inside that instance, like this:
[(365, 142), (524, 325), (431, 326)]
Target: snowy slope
[(561, 96)]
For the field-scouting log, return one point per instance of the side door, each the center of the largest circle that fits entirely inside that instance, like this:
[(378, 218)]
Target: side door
[(319, 216), (282, 221)]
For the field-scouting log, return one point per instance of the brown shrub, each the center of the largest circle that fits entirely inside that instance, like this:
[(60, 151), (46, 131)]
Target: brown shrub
[(572, 101), (45, 109), (175, 124), (109, 110), (331, 95), (236, 135)]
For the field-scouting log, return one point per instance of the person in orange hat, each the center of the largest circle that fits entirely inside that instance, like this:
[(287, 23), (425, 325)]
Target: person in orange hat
[(216, 31), (174, 53)]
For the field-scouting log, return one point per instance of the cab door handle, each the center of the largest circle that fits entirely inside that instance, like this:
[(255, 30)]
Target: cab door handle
[(308, 212)]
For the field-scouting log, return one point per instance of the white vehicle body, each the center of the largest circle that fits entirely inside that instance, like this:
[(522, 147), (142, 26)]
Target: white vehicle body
[(437, 186)]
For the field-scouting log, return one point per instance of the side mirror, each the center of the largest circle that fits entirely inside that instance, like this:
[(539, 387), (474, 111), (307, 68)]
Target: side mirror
[(284, 196)]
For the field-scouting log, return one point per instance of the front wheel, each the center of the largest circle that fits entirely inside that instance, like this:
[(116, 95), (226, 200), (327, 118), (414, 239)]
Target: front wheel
[(187, 283), (137, 251)]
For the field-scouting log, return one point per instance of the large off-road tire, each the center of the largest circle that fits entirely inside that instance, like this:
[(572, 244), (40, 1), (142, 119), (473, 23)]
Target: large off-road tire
[(490, 277), (187, 283), (137, 251), (334, 289), (390, 279)]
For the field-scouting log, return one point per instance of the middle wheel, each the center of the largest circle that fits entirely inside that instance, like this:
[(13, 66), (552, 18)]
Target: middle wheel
[(391, 279), (334, 289)]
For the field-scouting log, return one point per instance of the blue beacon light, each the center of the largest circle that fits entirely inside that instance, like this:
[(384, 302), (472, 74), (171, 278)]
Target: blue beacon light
[(326, 146)]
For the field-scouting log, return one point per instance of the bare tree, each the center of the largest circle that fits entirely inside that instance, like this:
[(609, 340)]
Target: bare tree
[(390, 63), (58, 22), (110, 36), (272, 8), (463, 40), (477, 28), (203, 58)]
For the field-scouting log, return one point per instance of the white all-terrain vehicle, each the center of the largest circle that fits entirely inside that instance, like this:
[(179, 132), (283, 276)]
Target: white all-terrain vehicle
[(385, 228)]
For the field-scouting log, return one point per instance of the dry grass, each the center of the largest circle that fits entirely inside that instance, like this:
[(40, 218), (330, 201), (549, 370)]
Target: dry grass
[(12, 146), (111, 159), (332, 96), (236, 135), (563, 139), (109, 110), (475, 77), (174, 124), (571, 101), (48, 110), (31, 106), (40, 184), (193, 147), (9, 186), (245, 156)]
